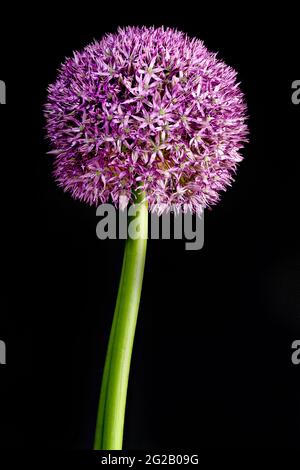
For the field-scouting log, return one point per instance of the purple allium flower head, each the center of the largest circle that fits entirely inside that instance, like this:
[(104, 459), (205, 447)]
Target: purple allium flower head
[(148, 109)]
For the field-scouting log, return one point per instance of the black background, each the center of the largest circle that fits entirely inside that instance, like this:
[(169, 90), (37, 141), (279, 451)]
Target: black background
[(212, 358)]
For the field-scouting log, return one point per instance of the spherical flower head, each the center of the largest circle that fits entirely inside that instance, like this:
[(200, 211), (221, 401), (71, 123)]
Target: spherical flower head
[(146, 109)]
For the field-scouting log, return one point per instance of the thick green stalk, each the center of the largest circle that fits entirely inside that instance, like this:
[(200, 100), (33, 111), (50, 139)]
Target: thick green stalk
[(112, 403)]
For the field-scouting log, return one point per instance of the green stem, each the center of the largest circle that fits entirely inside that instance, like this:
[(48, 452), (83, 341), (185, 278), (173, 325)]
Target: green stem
[(112, 403)]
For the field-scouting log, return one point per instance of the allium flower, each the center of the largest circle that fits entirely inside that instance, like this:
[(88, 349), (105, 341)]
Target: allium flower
[(148, 109), (148, 115)]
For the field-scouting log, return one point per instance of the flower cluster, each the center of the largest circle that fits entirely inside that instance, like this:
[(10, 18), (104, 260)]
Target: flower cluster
[(148, 109)]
